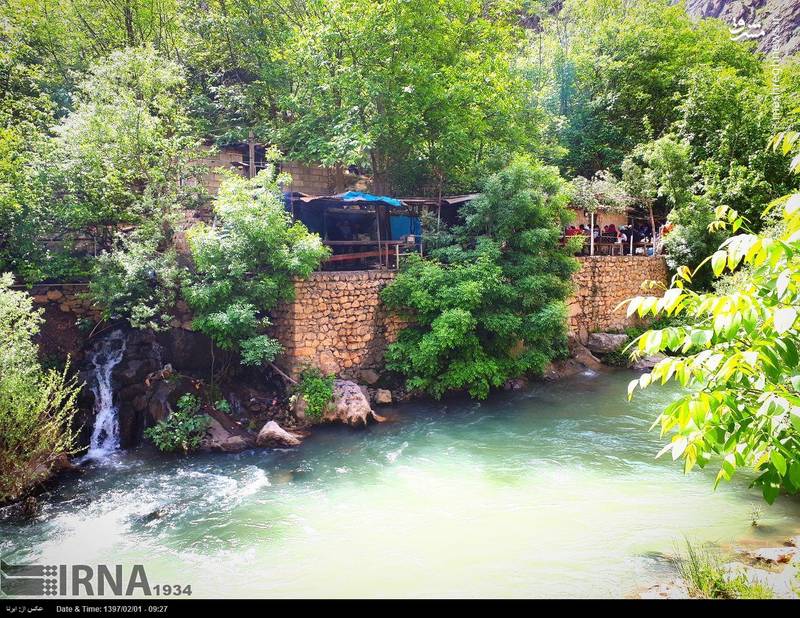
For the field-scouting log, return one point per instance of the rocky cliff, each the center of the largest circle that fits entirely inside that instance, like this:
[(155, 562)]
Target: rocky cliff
[(777, 21)]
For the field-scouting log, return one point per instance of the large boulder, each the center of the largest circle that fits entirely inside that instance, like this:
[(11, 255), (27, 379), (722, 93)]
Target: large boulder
[(606, 343), (368, 376), (225, 435), (349, 405), (581, 354), (274, 436), (580, 360)]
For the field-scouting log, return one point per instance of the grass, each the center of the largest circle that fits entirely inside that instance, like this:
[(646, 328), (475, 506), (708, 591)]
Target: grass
[(703, 571)]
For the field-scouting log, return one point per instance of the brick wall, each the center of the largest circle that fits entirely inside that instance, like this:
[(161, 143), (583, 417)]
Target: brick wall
[(225, 158), (309, 179), (66, 297)]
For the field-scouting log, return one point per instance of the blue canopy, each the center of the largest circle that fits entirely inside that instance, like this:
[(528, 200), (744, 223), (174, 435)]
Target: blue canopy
[(357, 196)]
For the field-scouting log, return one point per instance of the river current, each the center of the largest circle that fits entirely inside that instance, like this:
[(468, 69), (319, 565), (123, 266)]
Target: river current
[(549, 492)]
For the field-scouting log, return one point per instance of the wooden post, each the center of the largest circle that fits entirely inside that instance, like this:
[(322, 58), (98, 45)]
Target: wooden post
[(251, 149), (378, 226), (591, 233)]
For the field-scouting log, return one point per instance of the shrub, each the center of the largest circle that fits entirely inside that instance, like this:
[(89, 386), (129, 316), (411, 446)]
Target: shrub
[(36, 405), (703, 571), (183, 429), (137, 281), (244, 265), (489, 306), (317, 391)]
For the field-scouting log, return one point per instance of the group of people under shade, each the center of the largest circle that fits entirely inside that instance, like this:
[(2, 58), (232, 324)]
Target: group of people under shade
[(622, 235)]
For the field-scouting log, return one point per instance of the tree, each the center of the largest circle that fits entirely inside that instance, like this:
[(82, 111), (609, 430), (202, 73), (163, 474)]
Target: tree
[(124, 155), (423, 94), (737, 354), (662, 171), (490, 306), (138, 279), (602, 193), (36, 405), (620, 69), (244, 264), (26, 111)]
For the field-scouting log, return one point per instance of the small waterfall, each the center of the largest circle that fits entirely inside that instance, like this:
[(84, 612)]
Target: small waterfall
[(106, 355)]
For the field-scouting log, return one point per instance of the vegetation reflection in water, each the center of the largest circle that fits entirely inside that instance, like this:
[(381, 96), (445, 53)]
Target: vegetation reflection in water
[(549, 492)]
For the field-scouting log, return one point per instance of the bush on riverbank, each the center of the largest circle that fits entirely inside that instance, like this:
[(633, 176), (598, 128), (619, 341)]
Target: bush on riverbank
[(182, 430), (489, 303), (316, 389), (36, 405)]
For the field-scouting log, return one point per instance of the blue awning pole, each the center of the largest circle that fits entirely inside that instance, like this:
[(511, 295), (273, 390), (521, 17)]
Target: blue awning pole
[(378, 226)]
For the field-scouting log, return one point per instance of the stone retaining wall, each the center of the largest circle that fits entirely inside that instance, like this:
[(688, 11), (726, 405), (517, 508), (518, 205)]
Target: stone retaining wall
[(337, 323), (66, 297), (602, 283)]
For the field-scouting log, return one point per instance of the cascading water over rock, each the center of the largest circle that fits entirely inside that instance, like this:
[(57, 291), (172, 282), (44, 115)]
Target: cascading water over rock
[(105, 435)]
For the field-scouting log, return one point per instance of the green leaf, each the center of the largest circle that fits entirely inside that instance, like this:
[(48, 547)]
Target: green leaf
[(718, 261), (778, 461), (794, 474), (770, 491)]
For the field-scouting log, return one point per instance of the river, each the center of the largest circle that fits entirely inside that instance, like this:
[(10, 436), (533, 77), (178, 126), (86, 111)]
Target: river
[(549, 492)]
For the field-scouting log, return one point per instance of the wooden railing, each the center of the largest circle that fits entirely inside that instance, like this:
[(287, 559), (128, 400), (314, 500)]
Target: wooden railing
[(364, 253)]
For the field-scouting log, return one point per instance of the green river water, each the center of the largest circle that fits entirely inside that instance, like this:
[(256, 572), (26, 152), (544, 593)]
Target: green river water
[(548, 492)]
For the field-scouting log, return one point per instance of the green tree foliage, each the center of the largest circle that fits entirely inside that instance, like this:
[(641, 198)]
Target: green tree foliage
[(36, 405), (123, 155), (26, 110), (662, 170), (736, 355), (727, 118), (138, 280), (489, 306), (245, 262), (620, 67), (183, 430), (425, 94), (239, 76)]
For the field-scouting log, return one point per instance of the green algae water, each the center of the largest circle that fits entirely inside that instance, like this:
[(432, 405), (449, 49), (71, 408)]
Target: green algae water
[(549, 492)]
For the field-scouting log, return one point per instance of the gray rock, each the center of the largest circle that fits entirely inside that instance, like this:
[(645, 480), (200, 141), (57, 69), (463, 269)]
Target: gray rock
[(273, 435), (218, 438), (349, 405), (581, 354), (646, 363), (225, 435), (383, 396), (774, 555), (605, 343), (369, 376)]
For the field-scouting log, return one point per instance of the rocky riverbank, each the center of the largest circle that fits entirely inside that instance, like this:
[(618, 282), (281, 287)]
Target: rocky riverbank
[(775, 568)]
